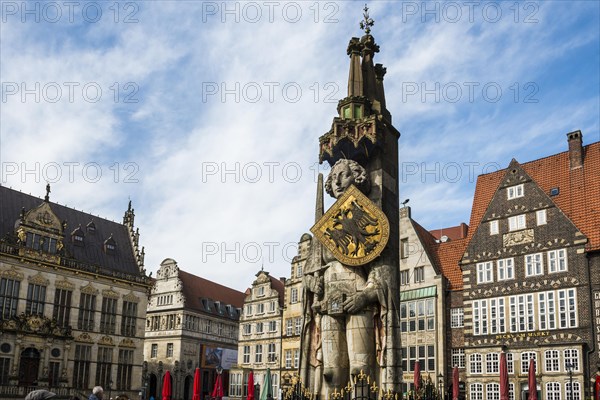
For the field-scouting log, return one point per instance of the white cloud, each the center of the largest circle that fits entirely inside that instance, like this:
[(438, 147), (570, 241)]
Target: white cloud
[(176, 128)]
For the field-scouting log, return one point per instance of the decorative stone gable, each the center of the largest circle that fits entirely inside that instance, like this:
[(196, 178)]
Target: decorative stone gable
[(89, 289), (12, 274), (514, 210), (38, 279)]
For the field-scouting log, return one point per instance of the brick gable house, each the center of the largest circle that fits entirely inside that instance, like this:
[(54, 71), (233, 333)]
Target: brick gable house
[(530, 275)]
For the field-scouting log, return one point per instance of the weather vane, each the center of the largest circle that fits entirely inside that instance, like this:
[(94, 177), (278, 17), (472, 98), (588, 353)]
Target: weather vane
[(368, 21)]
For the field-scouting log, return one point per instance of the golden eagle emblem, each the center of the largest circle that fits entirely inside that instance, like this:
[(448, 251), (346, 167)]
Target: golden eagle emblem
[(354, 229)]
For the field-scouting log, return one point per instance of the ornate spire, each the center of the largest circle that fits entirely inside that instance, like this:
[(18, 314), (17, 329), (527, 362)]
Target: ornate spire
[(367, 22)]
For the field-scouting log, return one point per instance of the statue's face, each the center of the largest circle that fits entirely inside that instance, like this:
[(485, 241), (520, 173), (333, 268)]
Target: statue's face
[(341, 179)]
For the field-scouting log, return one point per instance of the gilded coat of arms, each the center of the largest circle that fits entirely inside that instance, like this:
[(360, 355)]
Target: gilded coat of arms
[(354, 229)]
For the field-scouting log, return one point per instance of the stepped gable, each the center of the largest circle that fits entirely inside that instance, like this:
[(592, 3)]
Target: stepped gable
[(578, 190)]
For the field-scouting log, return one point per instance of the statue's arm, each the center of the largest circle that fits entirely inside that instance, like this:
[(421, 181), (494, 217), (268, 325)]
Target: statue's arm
[(369, 295)]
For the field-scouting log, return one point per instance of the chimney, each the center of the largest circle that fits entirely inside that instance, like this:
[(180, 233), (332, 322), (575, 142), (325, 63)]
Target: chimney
[(464, 230), (575, 149)]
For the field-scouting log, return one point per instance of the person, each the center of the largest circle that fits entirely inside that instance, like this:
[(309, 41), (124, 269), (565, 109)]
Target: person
[(97, 393), (345, 307), (40, 394)]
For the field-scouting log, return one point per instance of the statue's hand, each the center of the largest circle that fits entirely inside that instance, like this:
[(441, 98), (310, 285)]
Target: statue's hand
[(355, 303), (314, 284)]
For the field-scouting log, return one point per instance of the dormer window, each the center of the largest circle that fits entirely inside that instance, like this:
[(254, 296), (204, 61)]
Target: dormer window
[(110, 246), (91, 227), (42, 243), (77, 236)]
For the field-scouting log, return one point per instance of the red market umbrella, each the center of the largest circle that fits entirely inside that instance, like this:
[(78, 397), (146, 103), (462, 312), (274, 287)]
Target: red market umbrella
[(218, 389), (417, 376), (597, 387), (196, 393), (250, 386), (455, 383), (503, 377), (532, 383), (166, 389)]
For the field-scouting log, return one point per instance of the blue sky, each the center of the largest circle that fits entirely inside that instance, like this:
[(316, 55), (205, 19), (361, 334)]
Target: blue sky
[(207, 114)]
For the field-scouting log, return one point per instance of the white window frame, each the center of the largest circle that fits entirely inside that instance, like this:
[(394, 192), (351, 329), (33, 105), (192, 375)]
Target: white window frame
[(289, 327), (293, 295), (298, 323), (571, 356), (457, 317), (514, 192), (557, 261), (475, 364), (576, 390), (553, 391), (272, 326), (541, 217), (288, 358), (567, 308), (517, 222), (476, 391), (258, 355), (260, 308), (505, 269), (492, 363), (246, 355), (552, 360), (458, 357), (534, 264), (419, 274), (271, 353), (485, 273), (259, 328), (492, 391), (494, 229), (497, 315), (525, 356)]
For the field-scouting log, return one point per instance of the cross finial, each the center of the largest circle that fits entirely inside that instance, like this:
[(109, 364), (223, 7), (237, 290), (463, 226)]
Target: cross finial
[(368, 22)]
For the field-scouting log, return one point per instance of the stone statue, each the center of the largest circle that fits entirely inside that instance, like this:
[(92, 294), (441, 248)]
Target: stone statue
[(345, 306)]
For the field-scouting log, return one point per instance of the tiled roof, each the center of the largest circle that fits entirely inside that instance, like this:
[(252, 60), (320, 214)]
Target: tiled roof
[(428, 242), (92, 252), (453, 233), (447, 255), (579, 190), (196, 288), (278, 286)]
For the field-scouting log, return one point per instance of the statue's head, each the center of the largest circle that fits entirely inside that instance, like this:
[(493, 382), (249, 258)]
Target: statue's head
[(345, 173)]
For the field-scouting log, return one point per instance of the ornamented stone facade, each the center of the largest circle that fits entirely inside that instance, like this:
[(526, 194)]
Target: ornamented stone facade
[(292, 315), (260, 336), (73, 295), (191, 323), (422, 307)]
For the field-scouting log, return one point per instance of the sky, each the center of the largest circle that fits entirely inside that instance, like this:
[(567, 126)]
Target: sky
[(206, 115)]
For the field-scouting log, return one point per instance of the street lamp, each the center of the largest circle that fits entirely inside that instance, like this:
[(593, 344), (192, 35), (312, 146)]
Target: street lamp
[(570, 367), (109, 388), (441, 386)]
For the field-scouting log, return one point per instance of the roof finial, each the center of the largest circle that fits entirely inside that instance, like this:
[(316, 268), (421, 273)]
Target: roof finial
[(47, 198), (368, 21)]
